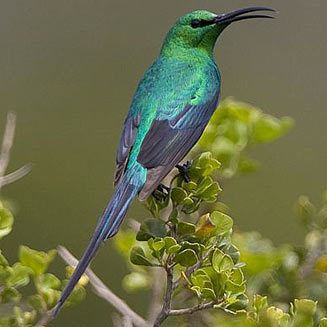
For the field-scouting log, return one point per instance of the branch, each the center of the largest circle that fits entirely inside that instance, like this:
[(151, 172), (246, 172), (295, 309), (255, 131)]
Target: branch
[(103, 291), (157, 289), (7, 143), (15, 175), (186, 311), (164, 313)]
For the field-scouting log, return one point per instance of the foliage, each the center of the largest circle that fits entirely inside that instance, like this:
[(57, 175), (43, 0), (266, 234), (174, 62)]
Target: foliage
[(234, 129), (223, 278), (21, 304), (190, 236)]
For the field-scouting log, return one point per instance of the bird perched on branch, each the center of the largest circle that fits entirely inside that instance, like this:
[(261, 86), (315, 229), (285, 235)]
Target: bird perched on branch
[(170, 110)]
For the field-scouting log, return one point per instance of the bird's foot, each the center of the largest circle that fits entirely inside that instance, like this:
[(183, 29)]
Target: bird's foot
[(161, 191), (184, 170)]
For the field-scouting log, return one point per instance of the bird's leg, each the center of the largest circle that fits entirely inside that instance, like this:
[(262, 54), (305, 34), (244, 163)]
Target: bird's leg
[(184, 170)]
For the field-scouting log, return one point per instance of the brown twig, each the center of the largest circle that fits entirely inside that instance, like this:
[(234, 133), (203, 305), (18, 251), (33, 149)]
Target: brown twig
[(103, 291), (166, 307), (187, 311), (157, 290)]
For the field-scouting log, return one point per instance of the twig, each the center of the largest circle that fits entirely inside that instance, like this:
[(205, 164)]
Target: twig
[(186, 311), (103, 291), (155, 304), (7, 143), (164, 313), (15, 175)]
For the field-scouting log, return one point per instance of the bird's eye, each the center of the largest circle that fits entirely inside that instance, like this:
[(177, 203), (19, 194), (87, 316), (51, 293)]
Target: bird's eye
[(195, 23)]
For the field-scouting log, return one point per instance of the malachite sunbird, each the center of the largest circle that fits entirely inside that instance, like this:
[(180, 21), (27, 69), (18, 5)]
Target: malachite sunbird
[(170, 109)]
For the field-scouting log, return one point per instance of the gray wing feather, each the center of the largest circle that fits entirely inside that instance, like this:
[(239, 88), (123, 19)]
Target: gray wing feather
[(126, 142), (169, 141)]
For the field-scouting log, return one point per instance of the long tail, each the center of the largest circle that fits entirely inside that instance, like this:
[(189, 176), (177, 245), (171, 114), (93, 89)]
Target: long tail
[(108, 225)]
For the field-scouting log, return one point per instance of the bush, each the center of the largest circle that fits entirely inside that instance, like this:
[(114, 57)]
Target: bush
[(222, 277)]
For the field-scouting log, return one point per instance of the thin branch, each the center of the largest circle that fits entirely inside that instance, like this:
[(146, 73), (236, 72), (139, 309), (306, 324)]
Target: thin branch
[(7, 143), (191, 269), (186, 311), (102, 290), (15, 175), (164, 313), (157, 289)]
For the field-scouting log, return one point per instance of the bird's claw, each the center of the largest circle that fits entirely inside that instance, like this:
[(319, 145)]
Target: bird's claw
[(184, 170)]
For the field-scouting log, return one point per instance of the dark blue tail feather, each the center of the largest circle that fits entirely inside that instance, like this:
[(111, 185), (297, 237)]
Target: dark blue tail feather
[(107, 227)]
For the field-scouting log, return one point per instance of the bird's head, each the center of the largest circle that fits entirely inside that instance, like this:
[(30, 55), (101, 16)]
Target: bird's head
[(200, 29)]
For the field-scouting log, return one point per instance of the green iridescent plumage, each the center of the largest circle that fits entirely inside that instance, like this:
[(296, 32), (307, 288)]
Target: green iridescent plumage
[(170, 110)]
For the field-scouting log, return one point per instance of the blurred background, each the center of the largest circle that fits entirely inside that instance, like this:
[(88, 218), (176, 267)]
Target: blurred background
[(69, 70)]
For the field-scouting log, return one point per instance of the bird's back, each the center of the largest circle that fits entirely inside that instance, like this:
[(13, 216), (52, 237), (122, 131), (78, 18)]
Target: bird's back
[(167, 87)]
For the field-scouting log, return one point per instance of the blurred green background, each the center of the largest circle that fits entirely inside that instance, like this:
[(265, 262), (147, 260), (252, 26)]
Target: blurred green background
[(69, 70)]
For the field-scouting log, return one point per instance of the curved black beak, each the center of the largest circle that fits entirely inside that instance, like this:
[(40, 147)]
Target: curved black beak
[(239, 14), (234, 16)]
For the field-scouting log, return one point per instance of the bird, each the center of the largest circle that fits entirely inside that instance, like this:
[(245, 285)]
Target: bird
[(169, 111)]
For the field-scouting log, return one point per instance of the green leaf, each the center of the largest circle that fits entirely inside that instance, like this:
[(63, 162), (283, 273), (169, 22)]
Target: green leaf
[(48, 281), (38, 261), (20, 275), (222, 222), (37, 302), (234, 288), (174, 249), (205, 183), (190, 186), (233, 252), (157, 244), (277, 317), (186, 258), (169, 242), (205, 164), (48, 286), (10, 294), (6, 221), (323, 322), (184, 228), (178, 195), (210, 194), (197, 247), (237, 277), (268, 128), (305, 306), (138, 257), (136, 281), (208, 293), (221, 262), (151, 228), (260, 303)]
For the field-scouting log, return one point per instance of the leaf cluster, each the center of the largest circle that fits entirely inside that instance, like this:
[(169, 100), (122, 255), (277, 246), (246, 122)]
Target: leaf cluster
[(234, 129), (27, 289)]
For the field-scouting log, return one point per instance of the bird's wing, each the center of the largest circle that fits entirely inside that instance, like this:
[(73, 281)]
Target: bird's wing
[(126, 142), (169, 140)]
